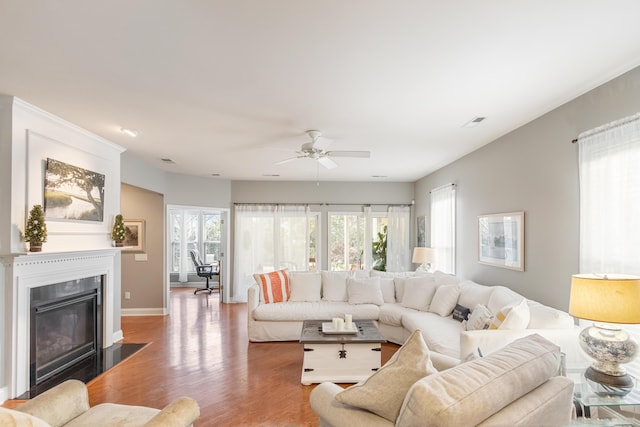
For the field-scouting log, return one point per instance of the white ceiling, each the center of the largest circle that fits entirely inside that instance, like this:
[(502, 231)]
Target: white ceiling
[(229, 87)]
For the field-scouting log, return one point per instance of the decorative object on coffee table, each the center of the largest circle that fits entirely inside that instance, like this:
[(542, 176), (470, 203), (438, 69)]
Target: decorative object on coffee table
[(118, 233), (35, 231), (608, 300), (340, 358)]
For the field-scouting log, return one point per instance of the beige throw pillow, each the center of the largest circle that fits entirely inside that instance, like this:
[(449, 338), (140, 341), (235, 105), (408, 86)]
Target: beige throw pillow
[(384, 391)]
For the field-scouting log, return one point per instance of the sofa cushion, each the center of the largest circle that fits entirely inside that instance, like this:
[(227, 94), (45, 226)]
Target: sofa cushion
[(480, 318), (334, 285), (388, 288), (445, 278), (11, 417), (471, 392), (391, 314), (299, 311), (544, 317), (399, 278), (305, 286), (502, 297), (514, 316), (384, 391), (274, 286), (418, 292), (365, 291), (442, 334), (472, 294), (444, 300), (111, 414)]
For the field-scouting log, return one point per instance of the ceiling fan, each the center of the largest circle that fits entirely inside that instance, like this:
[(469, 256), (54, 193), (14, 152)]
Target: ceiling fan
[(316, 149)]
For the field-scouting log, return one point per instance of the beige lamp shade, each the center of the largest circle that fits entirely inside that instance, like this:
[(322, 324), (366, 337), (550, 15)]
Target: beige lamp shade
[(613, 298), (423, 255)]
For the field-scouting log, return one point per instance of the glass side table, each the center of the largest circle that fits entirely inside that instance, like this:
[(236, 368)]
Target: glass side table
[(588, 403)]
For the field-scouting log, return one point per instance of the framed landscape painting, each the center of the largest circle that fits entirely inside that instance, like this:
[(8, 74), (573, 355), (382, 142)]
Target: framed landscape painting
[(73, 193), (134, 235), (501, 240)]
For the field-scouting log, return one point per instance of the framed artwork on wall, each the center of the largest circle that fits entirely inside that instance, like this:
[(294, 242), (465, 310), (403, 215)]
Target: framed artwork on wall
[(134, 235), (501, 240), (422, 226)]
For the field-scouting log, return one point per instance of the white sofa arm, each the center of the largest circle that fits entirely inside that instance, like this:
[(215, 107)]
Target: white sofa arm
[(489, 341), (253, 299), (334, 414)]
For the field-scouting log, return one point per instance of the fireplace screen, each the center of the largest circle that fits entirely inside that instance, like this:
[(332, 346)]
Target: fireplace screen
[(65, 326)]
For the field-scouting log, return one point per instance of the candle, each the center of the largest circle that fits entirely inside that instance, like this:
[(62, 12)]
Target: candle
[(340, 325), (348, 322), (334, 322)]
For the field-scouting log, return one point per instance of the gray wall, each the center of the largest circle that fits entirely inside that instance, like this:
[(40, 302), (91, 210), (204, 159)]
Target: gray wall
[(144, 279), (534, 169)]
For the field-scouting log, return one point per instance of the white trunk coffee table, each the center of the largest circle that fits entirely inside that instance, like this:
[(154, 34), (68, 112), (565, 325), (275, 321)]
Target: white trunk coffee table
[(340, 358)]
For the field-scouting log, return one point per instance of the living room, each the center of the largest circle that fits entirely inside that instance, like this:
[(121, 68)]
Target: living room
[(531, 167)]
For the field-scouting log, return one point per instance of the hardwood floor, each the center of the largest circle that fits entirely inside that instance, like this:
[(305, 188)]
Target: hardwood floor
[(201, 350)]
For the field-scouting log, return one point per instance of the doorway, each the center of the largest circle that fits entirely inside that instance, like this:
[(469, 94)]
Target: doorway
[(203, 229)]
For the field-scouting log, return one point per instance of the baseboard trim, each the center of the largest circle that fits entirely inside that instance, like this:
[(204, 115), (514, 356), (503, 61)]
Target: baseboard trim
[(143, 312)]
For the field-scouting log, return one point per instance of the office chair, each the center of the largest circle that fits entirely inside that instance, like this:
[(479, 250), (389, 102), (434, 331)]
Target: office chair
[(204, 270)]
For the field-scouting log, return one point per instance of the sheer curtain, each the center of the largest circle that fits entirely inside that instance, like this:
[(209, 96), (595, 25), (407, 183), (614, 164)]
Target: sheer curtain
[(268, 238), (610, 202), (443, 227), (398, 244)]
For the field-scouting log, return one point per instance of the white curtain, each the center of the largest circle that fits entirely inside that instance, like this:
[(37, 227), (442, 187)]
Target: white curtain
[(443, 227), (610, 203), (367, 253), (398, 240), (268, 238), (609, 162)]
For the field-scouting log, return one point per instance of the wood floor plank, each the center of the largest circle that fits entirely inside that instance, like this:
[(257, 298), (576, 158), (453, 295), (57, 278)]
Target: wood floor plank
[(201, 350)]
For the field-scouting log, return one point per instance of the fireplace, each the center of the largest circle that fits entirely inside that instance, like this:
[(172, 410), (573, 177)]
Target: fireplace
[(66, 326), (84, 288)]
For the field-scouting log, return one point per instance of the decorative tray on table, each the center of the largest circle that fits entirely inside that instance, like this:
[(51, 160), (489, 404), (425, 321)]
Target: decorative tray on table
[(327, 328)]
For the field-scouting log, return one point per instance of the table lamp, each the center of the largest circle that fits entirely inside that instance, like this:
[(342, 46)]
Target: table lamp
[(608, 300), (425, 257)]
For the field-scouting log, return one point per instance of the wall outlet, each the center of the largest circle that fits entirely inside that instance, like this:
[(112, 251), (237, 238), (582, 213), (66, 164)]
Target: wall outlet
[(127, 295)]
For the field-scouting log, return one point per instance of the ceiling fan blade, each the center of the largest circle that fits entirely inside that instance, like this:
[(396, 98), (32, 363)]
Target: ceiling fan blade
[(290, 159), (362, 154), (327, 162)]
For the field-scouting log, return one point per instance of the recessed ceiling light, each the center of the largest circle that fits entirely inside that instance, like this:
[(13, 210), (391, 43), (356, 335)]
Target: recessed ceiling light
[(271, 174), (131, 132), (474, 122), (215, 174), (168, 161), (379, 176)]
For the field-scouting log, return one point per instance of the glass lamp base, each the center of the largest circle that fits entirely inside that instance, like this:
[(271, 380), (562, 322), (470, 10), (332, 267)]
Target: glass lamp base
[(608, 385)]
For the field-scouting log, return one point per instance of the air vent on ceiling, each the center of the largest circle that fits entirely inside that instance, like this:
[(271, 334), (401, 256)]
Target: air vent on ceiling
[(474, 122), (168, 161)]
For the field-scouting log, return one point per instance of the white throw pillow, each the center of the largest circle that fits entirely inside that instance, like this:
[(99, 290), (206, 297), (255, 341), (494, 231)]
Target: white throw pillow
[(512, 317), (445, 300), (11, 417), (418, 292), (305, 286), (387, 285), (384, 391), (445, 279), (334, 285), (480, 318), (365, 291)]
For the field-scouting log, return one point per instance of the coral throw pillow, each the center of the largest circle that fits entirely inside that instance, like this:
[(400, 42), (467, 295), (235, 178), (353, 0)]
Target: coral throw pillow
[(274, 286)]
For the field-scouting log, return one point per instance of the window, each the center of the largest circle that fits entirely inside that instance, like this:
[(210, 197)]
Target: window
[(610, 203), (272, 237), (443, 227), (346, 241), (193, 229)]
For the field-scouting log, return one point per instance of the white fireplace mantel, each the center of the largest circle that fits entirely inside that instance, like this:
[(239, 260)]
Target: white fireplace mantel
[(26, 271)]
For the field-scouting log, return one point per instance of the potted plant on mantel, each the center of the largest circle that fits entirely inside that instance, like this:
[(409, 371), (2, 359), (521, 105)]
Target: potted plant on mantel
[(118, 233), (35, 231)]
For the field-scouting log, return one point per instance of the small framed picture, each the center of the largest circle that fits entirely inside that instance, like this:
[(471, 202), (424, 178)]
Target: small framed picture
[(134, 235), (501, 240)]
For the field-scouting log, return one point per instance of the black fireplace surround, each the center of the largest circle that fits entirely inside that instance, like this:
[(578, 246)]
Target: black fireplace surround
[(66, 326)]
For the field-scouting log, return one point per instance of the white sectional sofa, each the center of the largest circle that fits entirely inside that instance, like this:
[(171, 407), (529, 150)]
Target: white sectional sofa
[(404, 302)]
